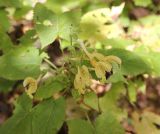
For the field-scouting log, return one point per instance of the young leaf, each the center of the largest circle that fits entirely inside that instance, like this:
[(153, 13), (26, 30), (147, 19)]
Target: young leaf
[(132, 64), (82, 79), (101, 68), (103, 64), (30, 85)]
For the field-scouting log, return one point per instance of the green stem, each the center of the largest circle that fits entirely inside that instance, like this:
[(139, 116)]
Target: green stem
[(84, 48), (99, 108), (50, 63)]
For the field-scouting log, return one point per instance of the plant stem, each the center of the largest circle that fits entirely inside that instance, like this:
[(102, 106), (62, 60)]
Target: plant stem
[(84, 48), (50, 63), (99, 108)]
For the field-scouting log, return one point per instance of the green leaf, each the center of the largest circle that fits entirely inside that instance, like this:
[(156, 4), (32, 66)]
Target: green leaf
[(21, 12), (151, 57), (132, 92), (10, 3), (23, 104), (109, 102), (118, 42), (45, 118), (5, 43), (91, 99), (58, 5), (78, 126), (106, 123), (143, 3), (4, 23), (50, 26), (50, 87), (6, 85), (28, 38), (132, 64), (19, 63), (137, 86), (117, 75)]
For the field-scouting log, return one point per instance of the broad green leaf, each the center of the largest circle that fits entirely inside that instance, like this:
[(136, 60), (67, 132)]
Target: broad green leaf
[(50, 87), (10, 3), (132, 64), (28, 38), (109, 102), (143, 3), (20, 63), (117, 75), (137, 86), (60, 6), (50, 26), (91, 99), (4, 23), (46, 33), (23, 104), (118, 42), (78, 126), (21, 12), (106, 123), (45, 118), (5, 43), (151, 57), (6, 85)]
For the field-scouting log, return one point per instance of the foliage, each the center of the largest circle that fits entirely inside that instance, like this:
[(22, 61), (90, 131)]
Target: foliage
[(30, 121)]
